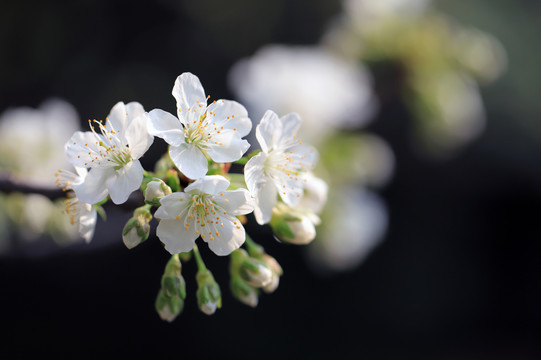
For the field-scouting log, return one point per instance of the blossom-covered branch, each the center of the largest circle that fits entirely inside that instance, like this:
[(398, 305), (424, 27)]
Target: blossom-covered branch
[(191, 191)]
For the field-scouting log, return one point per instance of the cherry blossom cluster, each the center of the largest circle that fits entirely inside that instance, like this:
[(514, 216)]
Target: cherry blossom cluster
[(192, 193)]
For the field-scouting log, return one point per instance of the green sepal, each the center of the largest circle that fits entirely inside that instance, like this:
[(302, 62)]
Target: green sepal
[(174, 285), (175, 304), (240, 289), (100, 203), (282, 229)]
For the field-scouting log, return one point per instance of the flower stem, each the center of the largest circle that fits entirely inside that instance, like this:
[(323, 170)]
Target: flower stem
[(254, 249), (198, 259), (242, 161)]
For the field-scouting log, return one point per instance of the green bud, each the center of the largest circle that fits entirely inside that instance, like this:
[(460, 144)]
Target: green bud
[(243, 292), (172, 281), (168, 308), (253, 271), (137, 228), (292, 226), (277, 271), (155, 190), (174, 285), (208, 294)]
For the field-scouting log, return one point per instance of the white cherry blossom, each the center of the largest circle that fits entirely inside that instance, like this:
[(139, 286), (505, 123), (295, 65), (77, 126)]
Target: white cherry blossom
[(205, 209), (280, 168), (112, 154), (81, 214), (215, 130)]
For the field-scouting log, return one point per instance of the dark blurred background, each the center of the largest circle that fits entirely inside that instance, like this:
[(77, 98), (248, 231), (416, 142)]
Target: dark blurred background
[(458, 275)]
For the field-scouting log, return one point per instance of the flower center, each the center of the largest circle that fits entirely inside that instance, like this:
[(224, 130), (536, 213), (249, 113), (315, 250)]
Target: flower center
[(205, 216), (197, 131), (111, 149)]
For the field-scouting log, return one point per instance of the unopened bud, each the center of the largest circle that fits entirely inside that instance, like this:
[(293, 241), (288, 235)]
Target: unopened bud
[(294, 228), (155, 190), (253, 271), (277, 271), (243, 292), (174, 285), (168, 308), (137, 228), (209, 297)]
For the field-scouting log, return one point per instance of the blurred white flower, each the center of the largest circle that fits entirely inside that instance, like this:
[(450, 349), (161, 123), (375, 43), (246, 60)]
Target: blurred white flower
[(32, 140), (215, 130), (455, 115), (480, 53), (328, 92), (374, 10), (113, 154), (355, 222)]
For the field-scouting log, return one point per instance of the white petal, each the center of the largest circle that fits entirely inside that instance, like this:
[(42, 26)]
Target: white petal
[(231, 115), (315, 195), (164, 125), (235, 202), (290, 125), (231, 238), (189, 160), (94, 188), (137, 136), (227, 147), (290, 189), (118, 118), (264, 202), (82, 172), (254, 172), (305, 156), (212, 184), (172, 205), (134, 109), (87, 221), (268, 131), (125, 181), (175, 237), (79, 146), (189, 94)]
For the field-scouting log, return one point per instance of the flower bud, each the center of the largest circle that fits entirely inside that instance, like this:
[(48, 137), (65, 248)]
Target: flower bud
[(277, 271), (170, 300), (137, 228), (255, 273), (155, 190), (252, 271), (303, 231), (294, 227), (168, 308), (208, 294), (243, 292)]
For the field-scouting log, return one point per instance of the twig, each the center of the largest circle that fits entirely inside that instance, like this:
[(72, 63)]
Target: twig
[(10, 184)]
